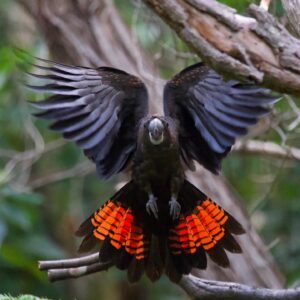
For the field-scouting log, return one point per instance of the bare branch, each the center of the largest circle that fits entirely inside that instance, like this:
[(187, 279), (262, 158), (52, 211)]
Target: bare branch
[(74, 267), (217, 290), (61, 274), (31, 153), (80, 169), (267, 148), (69, 263), (259, 47)]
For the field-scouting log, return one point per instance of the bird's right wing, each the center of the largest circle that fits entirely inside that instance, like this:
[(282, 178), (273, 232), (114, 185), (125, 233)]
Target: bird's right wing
[(100, 109), (211, 112)]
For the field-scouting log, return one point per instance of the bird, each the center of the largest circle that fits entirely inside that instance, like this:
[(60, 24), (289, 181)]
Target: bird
[(158, 222)]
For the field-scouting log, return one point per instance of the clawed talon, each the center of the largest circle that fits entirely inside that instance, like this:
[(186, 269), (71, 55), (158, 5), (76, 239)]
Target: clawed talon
[(175, 208), (151, 206)]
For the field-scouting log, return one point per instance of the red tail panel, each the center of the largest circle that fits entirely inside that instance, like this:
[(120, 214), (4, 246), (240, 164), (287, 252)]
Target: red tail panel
[(203, 228), (118, 223), (207, 227)]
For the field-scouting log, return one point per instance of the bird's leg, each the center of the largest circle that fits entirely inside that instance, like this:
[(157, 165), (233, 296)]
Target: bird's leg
[(151, 205), (175, 207), (141, 177)]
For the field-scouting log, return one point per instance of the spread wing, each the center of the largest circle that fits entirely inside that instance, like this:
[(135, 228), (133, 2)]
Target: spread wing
[(99, 109), (212, 112)]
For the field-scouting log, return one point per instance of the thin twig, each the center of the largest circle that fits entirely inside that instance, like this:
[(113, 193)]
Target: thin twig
[(267, 148), (265, 4), (69, 263), (80, 169), (61, 274), (73, 268)]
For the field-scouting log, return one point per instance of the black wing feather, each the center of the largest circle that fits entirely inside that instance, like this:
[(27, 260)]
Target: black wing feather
[(99, 109), (212, 112)]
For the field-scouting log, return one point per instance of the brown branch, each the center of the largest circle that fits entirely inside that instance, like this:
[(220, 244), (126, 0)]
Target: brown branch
[(69, 263), (267, 148), (74, 267), (259, 47), (61, 274), (194, 286)]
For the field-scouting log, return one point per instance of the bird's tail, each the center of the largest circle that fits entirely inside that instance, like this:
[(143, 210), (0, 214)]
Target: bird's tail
[(121, 232), (203, 227)]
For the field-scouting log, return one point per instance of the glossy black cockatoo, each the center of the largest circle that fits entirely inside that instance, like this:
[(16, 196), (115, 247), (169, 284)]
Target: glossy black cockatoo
[(158, 222)]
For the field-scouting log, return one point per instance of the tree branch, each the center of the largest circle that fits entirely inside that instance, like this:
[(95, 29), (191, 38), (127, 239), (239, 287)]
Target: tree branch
[(81, 169), (259, 47), (194, 286), (248, 146), (218, 290), (267, 148), (292, 12), (74, 267)]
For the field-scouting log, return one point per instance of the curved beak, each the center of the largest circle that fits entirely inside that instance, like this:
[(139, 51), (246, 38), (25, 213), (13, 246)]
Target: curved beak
[(156, 131)]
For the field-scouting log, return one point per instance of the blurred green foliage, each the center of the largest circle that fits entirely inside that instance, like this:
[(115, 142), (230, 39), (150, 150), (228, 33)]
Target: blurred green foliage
[(38, 223)]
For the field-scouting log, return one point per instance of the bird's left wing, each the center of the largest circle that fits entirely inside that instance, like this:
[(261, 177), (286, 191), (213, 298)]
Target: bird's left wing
[(211, 112), (99, 109)]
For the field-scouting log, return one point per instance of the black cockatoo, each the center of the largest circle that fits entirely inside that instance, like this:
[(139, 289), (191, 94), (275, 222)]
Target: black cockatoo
[(158, 222)]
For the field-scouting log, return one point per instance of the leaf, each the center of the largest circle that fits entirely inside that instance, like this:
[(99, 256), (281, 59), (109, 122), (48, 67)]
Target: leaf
[(28, 198), (14, 256), (42, 247), (15, 216)]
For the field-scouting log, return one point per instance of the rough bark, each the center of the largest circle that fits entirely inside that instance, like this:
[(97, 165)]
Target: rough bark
[(92, 33), (259, 47), (217, 290), (292, 13)]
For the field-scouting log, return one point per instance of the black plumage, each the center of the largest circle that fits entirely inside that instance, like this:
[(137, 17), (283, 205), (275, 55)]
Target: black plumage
[(94, 107), (158, 222)]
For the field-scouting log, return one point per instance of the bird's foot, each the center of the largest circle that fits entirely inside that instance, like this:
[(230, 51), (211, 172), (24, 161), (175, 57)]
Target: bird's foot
[(151, 206), (175, 208)]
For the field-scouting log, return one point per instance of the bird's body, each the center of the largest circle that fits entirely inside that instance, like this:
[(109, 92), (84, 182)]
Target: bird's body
[(157, 168), (158, 222)]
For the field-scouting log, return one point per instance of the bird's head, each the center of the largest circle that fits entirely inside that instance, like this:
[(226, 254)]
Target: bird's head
[(157, 128)]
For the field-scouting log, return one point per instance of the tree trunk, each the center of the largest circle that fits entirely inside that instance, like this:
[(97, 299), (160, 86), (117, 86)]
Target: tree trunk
[(91, 33)]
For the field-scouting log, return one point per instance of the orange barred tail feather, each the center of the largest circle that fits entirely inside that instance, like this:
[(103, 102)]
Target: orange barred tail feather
[(123, 240), (132, 239), (205, 229)]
